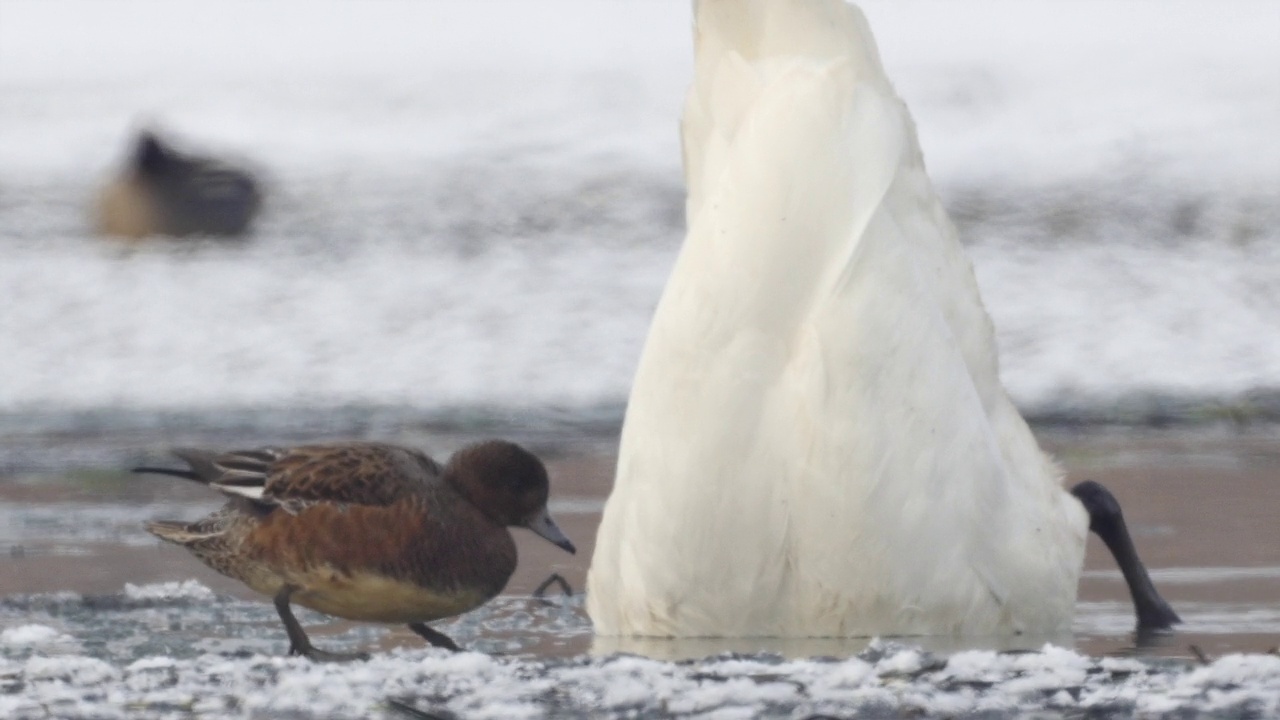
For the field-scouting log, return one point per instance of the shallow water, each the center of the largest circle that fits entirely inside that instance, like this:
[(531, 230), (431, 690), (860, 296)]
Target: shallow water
[(1201, 505), (101, 620)]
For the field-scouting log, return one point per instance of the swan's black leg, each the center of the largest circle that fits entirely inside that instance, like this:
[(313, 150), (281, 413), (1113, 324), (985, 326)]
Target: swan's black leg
[(435, 637), (299, 644), (1106, 520)]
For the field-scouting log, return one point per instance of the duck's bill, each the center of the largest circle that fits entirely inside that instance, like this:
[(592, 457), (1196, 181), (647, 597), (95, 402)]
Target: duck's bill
[(543, 525)]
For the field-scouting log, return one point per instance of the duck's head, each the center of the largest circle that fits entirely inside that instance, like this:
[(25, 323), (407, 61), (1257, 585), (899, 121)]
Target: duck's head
[(509, 484), (151, 156)]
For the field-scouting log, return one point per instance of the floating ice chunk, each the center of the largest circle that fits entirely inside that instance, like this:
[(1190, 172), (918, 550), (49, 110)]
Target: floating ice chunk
[(184, 590), (976, 666), (505, 711), (73, 670), (29, 636), (18, 707), (885, 681), (1048, 670), (902, 662), (851, 673), (1237, 669), (151, 673), (626, 691)]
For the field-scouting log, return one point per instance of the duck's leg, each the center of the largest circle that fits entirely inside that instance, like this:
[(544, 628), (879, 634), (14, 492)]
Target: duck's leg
[(435, 637), (1106, 520), (299, 644), (555, 579)]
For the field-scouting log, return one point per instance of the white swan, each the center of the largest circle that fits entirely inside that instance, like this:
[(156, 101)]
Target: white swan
[(817, 441)]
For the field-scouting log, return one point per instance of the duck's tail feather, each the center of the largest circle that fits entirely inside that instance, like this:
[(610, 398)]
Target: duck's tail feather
[(202, 466), (179, 533), (184, 474), (240, 474)]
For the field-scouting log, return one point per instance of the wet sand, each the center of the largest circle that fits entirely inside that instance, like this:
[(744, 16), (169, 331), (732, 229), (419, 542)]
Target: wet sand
[(1202, 506)]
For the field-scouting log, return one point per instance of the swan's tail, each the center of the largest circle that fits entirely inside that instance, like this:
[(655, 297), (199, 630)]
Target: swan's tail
[(817, 441)]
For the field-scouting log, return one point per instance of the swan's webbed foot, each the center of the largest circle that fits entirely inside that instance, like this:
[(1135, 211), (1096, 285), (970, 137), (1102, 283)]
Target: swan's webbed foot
[(435, 637), (1107, 522)]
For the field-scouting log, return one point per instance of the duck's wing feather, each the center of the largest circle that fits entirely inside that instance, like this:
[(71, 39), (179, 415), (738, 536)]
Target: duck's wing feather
[(342, 473)]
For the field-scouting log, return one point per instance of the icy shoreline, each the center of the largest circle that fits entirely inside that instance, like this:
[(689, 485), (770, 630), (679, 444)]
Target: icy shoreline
[(64, 672), (886, 680)]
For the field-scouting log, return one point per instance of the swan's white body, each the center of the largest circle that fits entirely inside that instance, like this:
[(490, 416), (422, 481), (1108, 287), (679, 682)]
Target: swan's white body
[(817, 441)]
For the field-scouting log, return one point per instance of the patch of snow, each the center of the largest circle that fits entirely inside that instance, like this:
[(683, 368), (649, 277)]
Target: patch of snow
[(184, 590), (25, 635), (63, 673), (890, 680), (34, 639)]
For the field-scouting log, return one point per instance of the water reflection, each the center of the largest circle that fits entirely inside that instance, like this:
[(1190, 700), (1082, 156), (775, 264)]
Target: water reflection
[(675, 649)]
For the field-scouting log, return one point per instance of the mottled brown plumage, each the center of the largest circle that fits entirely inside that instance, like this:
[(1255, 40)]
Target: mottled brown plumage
[(367, 531)]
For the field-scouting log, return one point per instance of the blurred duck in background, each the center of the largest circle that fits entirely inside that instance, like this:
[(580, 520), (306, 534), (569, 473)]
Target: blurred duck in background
[(163, 191)]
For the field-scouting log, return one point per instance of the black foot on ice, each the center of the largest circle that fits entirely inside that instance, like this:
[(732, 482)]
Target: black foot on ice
[(435, 637)]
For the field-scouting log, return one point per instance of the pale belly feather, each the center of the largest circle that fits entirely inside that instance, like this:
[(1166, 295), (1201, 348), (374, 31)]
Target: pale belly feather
[(367, 597)]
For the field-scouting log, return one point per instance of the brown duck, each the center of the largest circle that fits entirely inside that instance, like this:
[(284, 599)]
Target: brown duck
[(366, 531), (164, 191)]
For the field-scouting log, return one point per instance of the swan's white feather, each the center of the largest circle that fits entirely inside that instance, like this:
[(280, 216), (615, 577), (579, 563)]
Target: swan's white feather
[(817, 441)]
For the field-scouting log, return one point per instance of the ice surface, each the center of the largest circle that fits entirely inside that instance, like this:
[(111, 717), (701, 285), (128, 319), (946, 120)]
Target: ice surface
[(166, 650), (25, 635), (186, 589)]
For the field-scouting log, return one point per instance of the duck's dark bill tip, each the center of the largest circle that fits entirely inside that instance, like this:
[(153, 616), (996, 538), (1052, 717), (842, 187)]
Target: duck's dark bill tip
[(542, 524), (561, 542)]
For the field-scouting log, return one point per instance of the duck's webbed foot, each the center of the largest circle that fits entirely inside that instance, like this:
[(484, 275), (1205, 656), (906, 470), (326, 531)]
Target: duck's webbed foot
[(315, 654), (435, 637), (299, 643)]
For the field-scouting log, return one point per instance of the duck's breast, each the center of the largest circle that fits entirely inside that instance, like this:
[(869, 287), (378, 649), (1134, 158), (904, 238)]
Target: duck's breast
[(126, 208)]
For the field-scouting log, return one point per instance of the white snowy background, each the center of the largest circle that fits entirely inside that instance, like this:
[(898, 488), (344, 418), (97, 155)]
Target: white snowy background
[(476, 203)]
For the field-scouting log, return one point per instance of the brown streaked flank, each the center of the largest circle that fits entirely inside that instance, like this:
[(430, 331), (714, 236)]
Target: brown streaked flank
[(366, 531)]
